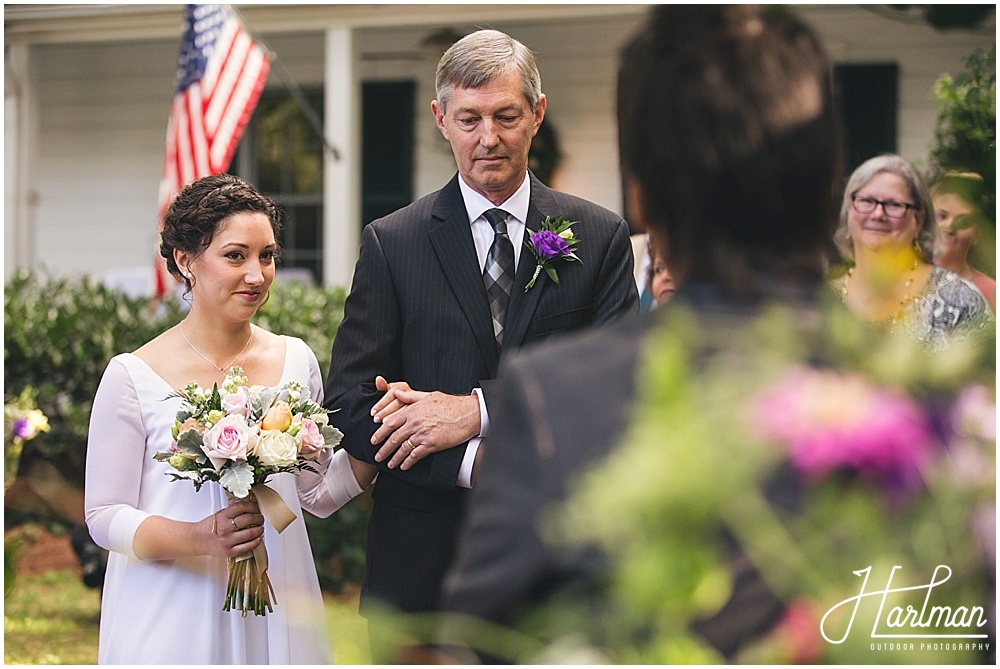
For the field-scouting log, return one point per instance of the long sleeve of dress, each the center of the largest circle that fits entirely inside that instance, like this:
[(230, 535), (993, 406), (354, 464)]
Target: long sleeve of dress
[(116, 448), (335, 485)]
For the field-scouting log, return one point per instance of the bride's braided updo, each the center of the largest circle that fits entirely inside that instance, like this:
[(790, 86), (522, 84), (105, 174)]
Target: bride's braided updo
[(193, 217)]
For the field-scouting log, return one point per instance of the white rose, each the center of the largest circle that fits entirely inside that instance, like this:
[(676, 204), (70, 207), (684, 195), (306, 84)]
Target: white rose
[(276, 449)]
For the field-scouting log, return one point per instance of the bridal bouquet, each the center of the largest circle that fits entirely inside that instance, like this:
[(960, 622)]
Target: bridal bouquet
[(239, 436)]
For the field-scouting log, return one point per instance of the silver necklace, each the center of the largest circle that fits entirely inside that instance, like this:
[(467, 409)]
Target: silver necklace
[(222, 369)]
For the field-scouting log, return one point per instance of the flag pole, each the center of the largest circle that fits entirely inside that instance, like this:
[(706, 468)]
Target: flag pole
[(311, 116), (292, 86)]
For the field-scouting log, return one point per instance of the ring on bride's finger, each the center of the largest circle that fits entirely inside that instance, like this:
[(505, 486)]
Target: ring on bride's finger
[(233, 521)]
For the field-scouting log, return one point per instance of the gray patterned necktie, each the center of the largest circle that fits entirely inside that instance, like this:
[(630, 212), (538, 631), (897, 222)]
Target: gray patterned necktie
[(498, 275)]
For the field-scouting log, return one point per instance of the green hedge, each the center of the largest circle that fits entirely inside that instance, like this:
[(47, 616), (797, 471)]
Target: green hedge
[(59, 335)]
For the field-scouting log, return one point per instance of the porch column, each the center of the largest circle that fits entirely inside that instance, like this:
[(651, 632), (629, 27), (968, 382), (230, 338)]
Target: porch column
[(342, 183), (21, 136)]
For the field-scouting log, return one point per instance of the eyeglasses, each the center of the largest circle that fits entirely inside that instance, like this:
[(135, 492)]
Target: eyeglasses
[(892, 209)]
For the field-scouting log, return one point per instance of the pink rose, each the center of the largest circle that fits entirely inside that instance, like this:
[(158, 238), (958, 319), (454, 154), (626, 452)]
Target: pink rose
[(229, 439), (310, 440), (236, 403)]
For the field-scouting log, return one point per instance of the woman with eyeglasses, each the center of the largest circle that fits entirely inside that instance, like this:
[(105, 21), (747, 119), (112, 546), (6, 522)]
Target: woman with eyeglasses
[(886, 234)]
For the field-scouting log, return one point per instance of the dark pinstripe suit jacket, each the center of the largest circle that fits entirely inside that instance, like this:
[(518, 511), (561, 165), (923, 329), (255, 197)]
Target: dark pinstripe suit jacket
[(418, 312)]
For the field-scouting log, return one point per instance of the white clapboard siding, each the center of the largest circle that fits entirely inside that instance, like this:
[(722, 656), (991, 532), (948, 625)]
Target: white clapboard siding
[(101, 118)]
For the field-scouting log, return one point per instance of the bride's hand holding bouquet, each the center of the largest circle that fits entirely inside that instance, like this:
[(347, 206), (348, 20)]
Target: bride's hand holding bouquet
[(234, 531)]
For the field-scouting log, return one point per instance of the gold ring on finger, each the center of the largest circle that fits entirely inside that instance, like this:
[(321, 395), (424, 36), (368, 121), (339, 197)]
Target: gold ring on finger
[(233, 521)]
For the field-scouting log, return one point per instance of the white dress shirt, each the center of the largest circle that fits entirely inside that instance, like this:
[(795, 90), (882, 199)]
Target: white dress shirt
[(516, 207)]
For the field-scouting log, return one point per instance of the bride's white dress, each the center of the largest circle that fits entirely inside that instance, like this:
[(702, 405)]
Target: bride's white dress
[(170, 611)]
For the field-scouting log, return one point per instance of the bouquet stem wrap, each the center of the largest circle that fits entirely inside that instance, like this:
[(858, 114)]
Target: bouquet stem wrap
[(249, 588)]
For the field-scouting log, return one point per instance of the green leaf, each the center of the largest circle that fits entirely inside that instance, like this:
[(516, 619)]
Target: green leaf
[(189, 443), (237, 478), (331, 435)]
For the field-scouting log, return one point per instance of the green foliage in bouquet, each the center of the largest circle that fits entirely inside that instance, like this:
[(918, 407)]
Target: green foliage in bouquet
[(813, 450)]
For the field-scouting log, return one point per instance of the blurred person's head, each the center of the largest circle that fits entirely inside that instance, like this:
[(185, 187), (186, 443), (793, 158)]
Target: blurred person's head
[(959, 203), (882, 184), (730, 146)]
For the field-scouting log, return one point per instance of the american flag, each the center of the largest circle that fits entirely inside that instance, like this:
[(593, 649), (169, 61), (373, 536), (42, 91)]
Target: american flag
[(220, 75)]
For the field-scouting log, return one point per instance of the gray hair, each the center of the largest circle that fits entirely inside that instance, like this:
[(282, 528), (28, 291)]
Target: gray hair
[(924, 210), (481, 57)]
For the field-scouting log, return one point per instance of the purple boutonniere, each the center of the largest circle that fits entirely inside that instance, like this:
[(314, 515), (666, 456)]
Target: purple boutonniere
[(552, 241)]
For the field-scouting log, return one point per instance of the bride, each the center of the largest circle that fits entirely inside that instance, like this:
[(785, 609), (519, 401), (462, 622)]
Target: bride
[(169, 544)]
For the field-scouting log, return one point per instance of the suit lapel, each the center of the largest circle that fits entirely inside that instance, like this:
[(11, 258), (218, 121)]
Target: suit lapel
[(523, 304), (456, 252)]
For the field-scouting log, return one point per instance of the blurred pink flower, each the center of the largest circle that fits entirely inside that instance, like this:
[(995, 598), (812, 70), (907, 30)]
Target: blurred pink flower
[(799, 629), (833, 421), (975, 413)]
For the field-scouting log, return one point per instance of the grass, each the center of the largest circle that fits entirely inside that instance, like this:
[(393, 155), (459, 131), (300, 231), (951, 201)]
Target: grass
[(52, 618)]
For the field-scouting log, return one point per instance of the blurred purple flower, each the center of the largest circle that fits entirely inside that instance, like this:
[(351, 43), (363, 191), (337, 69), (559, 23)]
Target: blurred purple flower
[(22, 428), (833, 422), (549, 246)]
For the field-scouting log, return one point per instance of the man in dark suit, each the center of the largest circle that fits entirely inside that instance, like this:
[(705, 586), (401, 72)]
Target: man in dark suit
[(730, 151), (440, 294)]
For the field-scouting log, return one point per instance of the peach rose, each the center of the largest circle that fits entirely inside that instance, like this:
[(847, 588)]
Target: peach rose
[(190, 424), (278, 417)]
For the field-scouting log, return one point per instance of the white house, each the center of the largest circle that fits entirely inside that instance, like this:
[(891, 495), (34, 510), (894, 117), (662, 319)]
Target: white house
[(87, 90)]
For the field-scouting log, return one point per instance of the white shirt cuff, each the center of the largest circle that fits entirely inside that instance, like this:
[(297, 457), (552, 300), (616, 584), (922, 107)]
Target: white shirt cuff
[(484, 418), (121, 533), (465, 471)]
